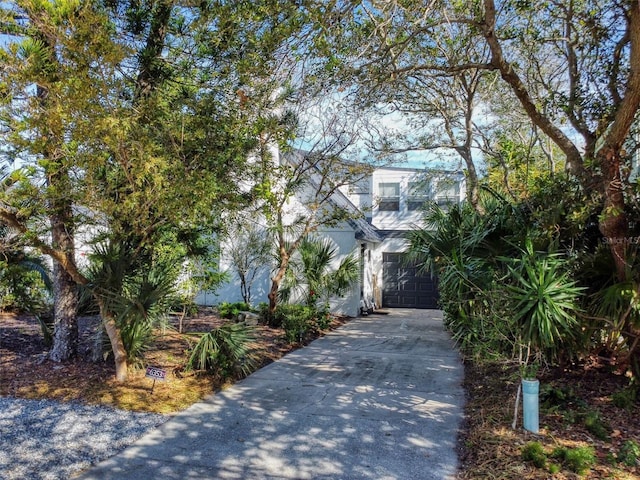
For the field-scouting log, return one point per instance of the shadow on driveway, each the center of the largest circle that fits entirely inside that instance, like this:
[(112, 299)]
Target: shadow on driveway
[(379, 398)]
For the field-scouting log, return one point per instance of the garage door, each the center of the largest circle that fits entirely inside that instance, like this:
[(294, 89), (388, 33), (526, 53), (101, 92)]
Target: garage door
[(403, 287)]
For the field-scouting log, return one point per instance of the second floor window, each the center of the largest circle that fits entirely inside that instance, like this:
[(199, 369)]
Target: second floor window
[(389, 197), (448, 192), (419, 194)]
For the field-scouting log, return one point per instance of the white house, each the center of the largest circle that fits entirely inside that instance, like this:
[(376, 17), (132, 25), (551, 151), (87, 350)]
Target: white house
[(393, 198), (389, 203)]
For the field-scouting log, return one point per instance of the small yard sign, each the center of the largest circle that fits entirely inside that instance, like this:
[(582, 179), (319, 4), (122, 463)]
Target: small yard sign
[(156, 374)]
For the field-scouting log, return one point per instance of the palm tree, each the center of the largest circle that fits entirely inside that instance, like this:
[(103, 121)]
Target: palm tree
[(311, 277), (461, 246), (134, 290)]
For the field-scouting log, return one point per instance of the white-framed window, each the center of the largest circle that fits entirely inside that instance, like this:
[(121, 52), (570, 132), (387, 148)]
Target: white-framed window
[(419, 193), (389, 193), (447, 192)]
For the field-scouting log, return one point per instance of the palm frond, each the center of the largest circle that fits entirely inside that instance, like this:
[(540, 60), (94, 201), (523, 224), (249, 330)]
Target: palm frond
[(225, 350)]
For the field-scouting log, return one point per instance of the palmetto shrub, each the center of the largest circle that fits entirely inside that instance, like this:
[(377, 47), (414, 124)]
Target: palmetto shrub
[(497, 292), (224, 350), (460, 246), (137, 294), (312, 278)]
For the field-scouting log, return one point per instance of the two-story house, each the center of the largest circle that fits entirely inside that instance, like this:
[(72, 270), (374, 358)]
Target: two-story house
[(390, 201), (393, 199)]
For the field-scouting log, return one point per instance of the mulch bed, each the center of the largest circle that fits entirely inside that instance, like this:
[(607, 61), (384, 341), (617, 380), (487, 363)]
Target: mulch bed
[(573, 402), (26, 372)]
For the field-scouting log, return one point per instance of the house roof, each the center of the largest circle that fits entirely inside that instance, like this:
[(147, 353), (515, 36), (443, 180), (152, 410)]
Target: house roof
[(363, 229), (393, 233)]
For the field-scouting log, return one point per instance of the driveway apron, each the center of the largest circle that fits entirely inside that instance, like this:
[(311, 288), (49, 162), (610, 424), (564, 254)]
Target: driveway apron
[(379, 398)]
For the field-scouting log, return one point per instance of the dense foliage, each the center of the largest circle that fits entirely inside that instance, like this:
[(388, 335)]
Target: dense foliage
[(150, 123), (513, 284), (133, 119)]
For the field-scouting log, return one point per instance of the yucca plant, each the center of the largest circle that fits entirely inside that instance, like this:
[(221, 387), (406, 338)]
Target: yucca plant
[(225, 350), (544, 298)]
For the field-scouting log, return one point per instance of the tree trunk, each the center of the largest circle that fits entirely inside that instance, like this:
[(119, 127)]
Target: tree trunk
[(473, 189), (244, 289), (614, 226), (275, 285), (613, 220), (273, 292), (117, 346), (509, 74), (65, 301), (65, 327)]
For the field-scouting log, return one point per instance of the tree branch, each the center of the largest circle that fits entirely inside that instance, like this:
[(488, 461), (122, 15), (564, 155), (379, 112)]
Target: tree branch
[(508, 73), (11, 220)]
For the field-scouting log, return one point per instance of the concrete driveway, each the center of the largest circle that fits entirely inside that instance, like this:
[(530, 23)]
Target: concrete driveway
[(379, 398)]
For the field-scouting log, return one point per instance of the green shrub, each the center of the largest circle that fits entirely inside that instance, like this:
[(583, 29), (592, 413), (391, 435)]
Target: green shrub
[(554, 468), (224, 350), (596, 426), (273, 319), (629, 453), (578, 460), (296, 327), (22, 289), (231, 310), (559, 453), (562, 400), (141, 307), (625, 398), (297, 321), (323, 318), (552, 398), (534, 452), (300, 320)]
